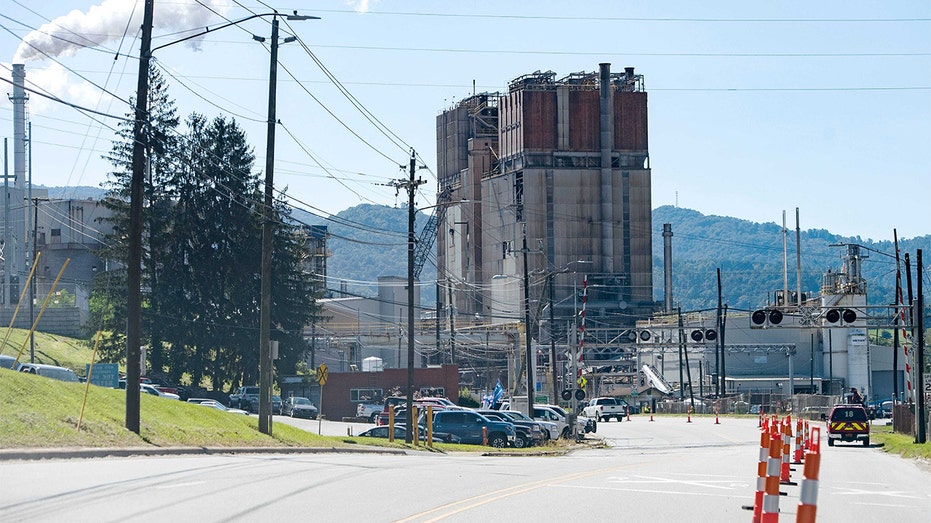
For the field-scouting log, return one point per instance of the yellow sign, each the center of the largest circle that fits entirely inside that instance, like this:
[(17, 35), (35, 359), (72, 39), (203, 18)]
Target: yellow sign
[(582, 382), (322, 374)]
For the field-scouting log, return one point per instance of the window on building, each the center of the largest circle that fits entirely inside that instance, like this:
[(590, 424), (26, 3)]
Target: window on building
[(366, 395), (432, 392)]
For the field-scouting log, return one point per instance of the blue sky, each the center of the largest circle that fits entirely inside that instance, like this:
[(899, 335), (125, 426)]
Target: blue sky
[(754, 107)]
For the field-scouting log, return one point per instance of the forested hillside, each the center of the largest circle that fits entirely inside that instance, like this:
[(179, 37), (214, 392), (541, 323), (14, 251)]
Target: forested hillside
[(749, 254), (370, 241)]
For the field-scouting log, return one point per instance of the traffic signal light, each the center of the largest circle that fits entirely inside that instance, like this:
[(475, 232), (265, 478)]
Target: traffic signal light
[(699, 335), (835, 315), (765, 318)]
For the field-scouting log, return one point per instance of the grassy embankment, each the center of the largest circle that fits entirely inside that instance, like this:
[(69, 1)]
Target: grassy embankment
[(901, 444), (37, 412)]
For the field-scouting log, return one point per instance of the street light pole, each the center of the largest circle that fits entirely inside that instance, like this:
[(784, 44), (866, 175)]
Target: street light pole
[(134, 258), (268, 231), (266, 363)]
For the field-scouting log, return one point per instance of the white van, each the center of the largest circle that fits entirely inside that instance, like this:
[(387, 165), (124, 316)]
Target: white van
[(49, 371)]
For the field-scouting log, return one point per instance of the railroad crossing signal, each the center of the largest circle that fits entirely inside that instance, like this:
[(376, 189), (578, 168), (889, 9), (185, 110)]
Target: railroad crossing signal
[(322, 374)]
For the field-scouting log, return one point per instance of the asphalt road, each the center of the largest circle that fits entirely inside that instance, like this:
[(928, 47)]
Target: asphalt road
[(699, 471)]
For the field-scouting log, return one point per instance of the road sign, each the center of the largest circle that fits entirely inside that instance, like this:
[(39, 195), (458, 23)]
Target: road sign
[(582, 381), (104, 374), (322, 374)]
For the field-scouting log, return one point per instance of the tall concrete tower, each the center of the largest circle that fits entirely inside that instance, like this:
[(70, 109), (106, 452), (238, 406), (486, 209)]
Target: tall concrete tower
[(568, 158)]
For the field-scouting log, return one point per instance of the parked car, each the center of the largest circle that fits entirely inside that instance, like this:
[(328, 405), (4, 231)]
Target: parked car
[(528, 434), (277, 405), (49, 371), (164, 387), (555, 414), (472, 427), (216, 405), (584, 423), (849, 423), (299, 407), (400, 402), (603, 409), (243, 397), (400, 432), (550, 430), (8, 362), (151, 389)]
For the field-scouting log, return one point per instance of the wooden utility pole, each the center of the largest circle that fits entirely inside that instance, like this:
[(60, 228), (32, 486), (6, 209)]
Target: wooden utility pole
[(410, 185), (134, 259)]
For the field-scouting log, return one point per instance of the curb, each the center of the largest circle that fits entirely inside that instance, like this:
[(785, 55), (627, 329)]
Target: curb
[(87, 453)]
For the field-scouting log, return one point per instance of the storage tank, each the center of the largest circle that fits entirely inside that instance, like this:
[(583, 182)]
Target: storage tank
[(373, 364)]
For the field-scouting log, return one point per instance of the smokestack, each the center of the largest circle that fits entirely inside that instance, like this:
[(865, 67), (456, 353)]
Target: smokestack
[(19, 125), (667, 265), (607, 189)]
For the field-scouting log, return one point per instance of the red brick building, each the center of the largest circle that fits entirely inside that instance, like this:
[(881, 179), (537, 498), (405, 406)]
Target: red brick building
[(344, 390)]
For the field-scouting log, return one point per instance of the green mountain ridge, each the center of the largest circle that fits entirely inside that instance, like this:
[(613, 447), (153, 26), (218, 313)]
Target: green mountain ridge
[(369, 241), (749, 254)]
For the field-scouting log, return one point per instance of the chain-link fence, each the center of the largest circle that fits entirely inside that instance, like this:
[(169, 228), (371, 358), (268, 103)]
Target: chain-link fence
[(809, 406)]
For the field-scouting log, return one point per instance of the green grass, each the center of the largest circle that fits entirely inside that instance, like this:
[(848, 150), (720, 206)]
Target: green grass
[(50, 349), (42, 413), (901, 444)]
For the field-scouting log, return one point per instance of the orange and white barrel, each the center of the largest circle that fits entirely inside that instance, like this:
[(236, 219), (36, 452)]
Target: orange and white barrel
[(808, 497)]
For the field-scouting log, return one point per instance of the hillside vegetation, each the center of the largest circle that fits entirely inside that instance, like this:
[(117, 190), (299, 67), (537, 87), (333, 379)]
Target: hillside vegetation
[(749, 254), (41, 412), (50, 349)]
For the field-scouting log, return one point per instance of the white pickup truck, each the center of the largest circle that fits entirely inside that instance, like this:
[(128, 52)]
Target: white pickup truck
[(603, 409), (369, 411)]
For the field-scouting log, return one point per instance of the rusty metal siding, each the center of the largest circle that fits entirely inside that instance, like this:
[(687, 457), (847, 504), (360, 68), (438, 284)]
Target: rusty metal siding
[(538, 119), (630, 121), (584, 126)]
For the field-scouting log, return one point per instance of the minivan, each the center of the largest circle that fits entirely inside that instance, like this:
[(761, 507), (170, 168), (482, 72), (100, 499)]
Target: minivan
[(49, 371)]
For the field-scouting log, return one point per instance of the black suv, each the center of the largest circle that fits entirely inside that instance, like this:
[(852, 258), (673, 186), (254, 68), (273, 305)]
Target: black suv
[(848, 423), (528, 434), (472, 427)]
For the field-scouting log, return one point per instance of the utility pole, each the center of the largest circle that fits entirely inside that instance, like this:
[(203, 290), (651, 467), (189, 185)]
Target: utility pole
[(920, 419), (410, 185), (719, 346), (134, 259), (32, 283), (452, 325), (7, 280), (266, 360), (681, 350), (553, 342), (268, 231), (529, 349)]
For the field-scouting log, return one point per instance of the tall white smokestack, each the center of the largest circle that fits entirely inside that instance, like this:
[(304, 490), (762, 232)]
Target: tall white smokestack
[(19, 125)]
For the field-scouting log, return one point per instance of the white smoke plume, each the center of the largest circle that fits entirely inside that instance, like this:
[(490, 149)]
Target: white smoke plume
[(106, 22), (361, 6)]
